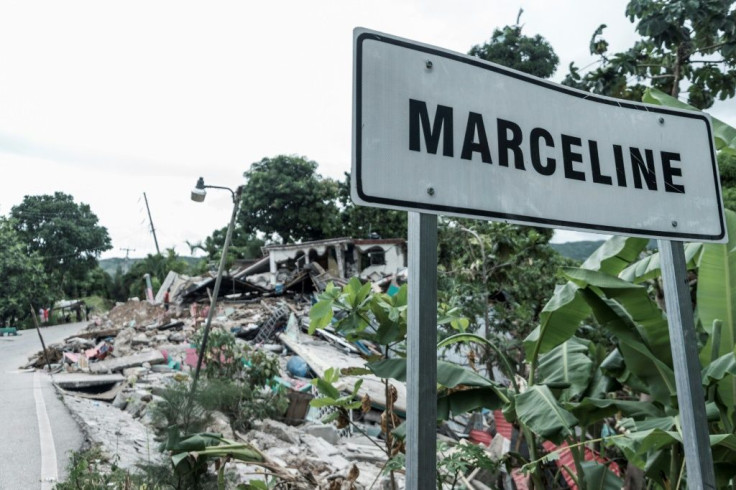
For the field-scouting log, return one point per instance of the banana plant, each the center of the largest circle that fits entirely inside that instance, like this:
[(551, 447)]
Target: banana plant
[(617, 297)]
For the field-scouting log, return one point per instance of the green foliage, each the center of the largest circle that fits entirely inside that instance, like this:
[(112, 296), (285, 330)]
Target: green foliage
[(497, 272), (65, 236), (177, 409), (510, 48), (243, 245), (239, 381), (577, 251), (192, 454), (24, 281), (90, 470), (285, 196), (96, 282), (682, 40), (459, 459), (223, 357), (158, 266), (641, 363), (365, 221), (727, 170), (331, 396)]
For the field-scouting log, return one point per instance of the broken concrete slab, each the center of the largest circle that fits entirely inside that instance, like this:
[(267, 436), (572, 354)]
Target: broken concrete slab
[(327, 432), (82, 380), (106, 395), (278, 429), (120, 363), (97, 334), (168, 326)]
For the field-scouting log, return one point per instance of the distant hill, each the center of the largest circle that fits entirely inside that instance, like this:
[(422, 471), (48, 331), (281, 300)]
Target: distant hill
[(111, 265), (582, 250), (577, 250)]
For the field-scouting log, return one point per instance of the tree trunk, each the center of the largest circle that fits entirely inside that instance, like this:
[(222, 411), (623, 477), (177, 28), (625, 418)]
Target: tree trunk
[(680, 59)]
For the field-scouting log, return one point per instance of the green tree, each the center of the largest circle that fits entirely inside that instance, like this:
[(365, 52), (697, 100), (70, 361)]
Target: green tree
[(243, 245), (285, 196), (24, 281), (499, 273), (364, 221), (510, 48), (66, 237), (727, 169), (691, 41), (97, 282), (157, 265)]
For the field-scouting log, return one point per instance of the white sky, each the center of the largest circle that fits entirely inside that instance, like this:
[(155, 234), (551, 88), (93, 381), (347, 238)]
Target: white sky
[(107, 100)]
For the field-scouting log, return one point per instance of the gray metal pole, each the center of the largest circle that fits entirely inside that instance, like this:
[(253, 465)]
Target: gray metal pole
[(150, 220), (218, 280), (421, 378), (690, 395)]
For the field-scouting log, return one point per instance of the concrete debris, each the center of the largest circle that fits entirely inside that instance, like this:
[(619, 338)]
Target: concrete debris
[(111, 373), (81, 380), (120, 363)]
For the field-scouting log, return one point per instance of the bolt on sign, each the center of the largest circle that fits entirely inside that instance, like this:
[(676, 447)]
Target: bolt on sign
[(439, 132)]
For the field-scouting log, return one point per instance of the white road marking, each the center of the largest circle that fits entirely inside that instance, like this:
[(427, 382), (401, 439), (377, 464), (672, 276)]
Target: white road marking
[(49, 473)]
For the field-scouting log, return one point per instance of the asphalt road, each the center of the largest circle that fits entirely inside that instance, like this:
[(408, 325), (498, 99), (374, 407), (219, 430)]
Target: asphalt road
[(37, 432)]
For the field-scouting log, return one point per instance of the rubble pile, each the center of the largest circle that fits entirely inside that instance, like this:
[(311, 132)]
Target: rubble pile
[(114, 372), (110, 373), (131, 312)]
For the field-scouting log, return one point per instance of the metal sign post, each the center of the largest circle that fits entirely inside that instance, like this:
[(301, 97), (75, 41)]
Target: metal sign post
[(421, 353), (690, 395)]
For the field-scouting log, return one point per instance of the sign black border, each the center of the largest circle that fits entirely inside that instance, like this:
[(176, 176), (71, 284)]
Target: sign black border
[(478, 63)]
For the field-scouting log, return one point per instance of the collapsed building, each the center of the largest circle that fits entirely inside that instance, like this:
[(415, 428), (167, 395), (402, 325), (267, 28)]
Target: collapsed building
[(110, 372), (302, 269)]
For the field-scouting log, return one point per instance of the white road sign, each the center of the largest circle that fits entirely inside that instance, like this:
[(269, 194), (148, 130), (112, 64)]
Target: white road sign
[(440, 132)]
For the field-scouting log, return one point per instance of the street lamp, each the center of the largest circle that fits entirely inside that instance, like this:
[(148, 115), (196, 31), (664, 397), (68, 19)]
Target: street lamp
[(198, 195)]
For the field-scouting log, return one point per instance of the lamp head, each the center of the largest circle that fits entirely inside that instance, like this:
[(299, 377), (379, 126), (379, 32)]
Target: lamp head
[(199, 192)]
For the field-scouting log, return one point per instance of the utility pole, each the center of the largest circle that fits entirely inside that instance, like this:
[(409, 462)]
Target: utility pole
[(127, 251), (150, 220)]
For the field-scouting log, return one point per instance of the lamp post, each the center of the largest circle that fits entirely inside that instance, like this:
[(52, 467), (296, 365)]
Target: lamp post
[(198, 195)]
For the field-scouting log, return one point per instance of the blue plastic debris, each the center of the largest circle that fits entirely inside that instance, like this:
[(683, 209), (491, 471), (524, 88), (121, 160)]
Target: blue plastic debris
[(297, 367)]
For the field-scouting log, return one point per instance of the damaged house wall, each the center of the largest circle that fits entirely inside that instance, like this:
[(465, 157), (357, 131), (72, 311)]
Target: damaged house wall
[(341, 257)]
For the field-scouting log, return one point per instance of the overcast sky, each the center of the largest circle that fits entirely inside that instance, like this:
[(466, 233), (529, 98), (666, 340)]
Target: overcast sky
[(108, 100)]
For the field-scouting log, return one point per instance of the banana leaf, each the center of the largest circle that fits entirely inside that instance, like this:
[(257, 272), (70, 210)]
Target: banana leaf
[(591, 410), (597, 476), (538, 409), (716, 294), (658, 377), (448, 374), (718, 369), (648, 267), (450, 403), (723, 448), (564, 312), (467, 391), (482, 341), (716, 297), (558, 321), (191, 454), (567, 363), (615, 254), (642, 312)]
